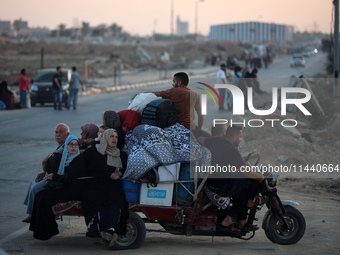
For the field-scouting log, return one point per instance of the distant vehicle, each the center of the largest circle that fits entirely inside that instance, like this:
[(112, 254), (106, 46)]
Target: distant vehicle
[(41, 90), (297, 60), (312, 50), (306, 53)]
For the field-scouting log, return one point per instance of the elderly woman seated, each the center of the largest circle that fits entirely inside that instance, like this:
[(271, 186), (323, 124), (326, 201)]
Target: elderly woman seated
[(70, 170)]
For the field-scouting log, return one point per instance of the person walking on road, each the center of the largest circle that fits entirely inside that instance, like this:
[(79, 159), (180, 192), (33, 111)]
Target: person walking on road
[(23, 88), (57, 89), (74, 88)]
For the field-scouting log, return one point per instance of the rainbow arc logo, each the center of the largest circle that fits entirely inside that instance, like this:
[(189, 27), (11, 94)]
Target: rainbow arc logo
[(209, 93)]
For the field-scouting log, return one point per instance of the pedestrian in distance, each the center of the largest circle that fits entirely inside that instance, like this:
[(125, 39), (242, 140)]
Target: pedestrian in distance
[(57, 89), (222, 79), (23, 88), (74, 88)]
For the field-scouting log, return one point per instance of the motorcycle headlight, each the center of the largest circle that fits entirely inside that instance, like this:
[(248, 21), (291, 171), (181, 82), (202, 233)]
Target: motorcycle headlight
[(272, 180), (34, 87)]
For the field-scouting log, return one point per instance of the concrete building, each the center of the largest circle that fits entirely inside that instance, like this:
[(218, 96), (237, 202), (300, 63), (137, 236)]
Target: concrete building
[(5, 27), (252, 32), (182, 27)]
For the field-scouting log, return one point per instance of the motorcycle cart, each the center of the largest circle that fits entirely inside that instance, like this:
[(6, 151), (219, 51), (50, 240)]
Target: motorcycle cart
[(282, 223)]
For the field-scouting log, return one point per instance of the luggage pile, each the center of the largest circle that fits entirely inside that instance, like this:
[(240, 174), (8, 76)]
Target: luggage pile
[(161, 154)]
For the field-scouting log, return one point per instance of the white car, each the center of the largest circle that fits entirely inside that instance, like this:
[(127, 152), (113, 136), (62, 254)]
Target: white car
[(297, 60)]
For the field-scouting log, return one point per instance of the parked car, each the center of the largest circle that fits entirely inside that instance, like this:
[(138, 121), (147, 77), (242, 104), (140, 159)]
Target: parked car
[(297, 60), (41, 90)]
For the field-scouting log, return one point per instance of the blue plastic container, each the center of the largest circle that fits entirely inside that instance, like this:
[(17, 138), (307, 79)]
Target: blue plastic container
[(181, 195), (131, 190)]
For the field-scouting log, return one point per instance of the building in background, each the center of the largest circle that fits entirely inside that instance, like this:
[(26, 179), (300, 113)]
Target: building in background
[(5, 28), (252, 32), (182, 27)]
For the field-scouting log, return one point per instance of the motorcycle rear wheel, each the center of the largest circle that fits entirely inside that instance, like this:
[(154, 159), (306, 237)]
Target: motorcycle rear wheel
[(277, 233)]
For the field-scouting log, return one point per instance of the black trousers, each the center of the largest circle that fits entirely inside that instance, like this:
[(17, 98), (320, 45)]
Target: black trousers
[(43, 222), (240, 190)]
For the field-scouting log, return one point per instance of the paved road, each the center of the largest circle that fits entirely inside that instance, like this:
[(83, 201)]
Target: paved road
[(27, 136)]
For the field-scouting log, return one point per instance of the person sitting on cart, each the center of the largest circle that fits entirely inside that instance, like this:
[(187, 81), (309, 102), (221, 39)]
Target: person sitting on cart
[(242, 187), (70, 171), (104, 203)]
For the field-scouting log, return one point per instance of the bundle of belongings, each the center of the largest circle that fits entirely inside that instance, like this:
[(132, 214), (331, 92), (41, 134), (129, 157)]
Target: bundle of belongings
[(150, 146)]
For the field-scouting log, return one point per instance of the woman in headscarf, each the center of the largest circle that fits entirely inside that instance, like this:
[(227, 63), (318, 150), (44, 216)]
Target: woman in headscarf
[(88, 134), (111, 119), (104, 204), (71, 167)]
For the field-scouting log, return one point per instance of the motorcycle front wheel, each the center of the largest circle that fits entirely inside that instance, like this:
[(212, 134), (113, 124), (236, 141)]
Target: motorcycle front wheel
[(135, 234), (278, 233)]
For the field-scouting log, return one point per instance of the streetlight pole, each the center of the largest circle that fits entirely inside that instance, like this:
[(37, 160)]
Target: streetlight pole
[(336, 49), (172, 29), (196, 32)]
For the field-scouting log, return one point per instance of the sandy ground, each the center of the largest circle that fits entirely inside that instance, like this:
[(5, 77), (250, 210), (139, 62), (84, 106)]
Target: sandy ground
[(320, 209)]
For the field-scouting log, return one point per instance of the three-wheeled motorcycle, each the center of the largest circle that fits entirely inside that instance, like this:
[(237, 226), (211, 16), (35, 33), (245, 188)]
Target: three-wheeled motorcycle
[(282, 223)]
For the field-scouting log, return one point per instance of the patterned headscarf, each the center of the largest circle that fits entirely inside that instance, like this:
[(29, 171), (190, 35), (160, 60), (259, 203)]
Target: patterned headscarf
[(67, 157), (113, 154), (112, 119), (91, 129)]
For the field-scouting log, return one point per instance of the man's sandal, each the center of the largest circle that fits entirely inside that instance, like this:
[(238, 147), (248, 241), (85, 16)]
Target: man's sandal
[(248, 227), (231, 229)]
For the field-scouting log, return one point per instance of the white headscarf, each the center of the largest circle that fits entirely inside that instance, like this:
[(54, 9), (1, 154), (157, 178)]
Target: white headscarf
[(113, 154)]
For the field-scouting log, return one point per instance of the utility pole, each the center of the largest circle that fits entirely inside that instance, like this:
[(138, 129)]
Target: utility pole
[(172, 30), (42, 58), (336, 48), (196, 24), (196, 30)]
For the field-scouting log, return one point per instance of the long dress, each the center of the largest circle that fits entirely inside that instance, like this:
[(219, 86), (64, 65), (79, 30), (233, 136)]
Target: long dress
[(43, 222), (102, 194)]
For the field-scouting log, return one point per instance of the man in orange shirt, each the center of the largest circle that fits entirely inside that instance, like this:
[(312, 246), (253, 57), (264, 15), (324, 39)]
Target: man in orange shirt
[(186, 102)]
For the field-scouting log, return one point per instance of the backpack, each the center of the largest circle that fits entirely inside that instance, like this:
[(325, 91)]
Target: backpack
[(151, 177), (129, 119), (242, 83), (160, 112)]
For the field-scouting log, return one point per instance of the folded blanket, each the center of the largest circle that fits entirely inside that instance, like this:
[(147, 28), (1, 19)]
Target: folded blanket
[(150, 146)]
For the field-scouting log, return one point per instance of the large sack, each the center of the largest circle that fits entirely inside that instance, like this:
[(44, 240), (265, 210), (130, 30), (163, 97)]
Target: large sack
[(130, 119), (160, 112), (140, 101)]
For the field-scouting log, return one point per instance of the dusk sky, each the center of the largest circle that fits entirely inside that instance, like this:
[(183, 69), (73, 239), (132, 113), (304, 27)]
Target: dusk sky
[(145, 16)]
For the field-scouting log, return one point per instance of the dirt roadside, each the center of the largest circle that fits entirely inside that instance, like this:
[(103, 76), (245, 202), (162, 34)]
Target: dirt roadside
[(321, 211)]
